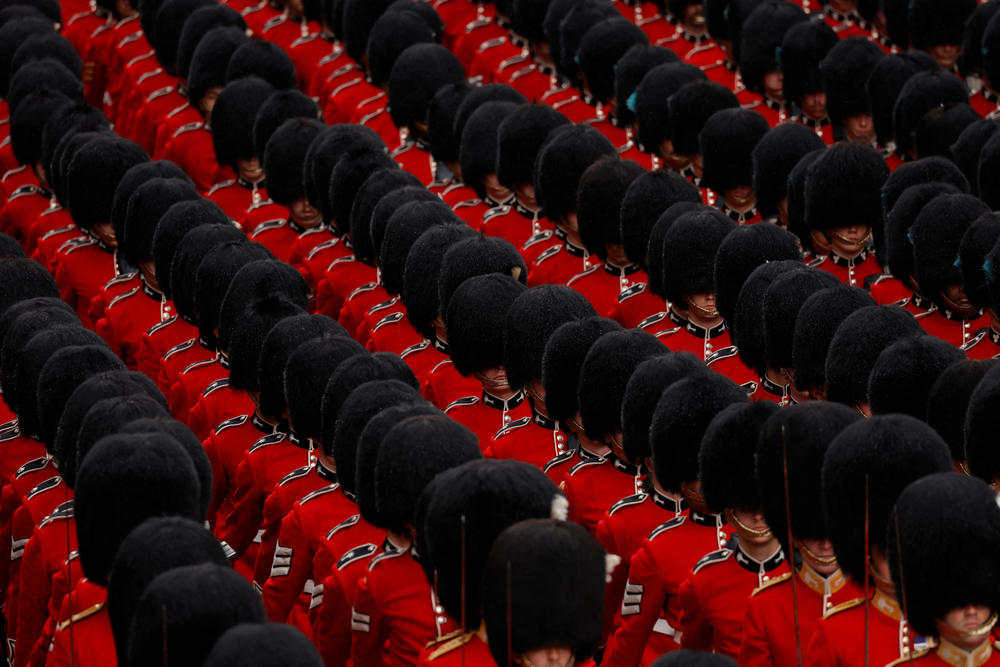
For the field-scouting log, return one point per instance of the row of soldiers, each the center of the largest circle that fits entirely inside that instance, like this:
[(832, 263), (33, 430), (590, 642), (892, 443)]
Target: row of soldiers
[(379, 241)]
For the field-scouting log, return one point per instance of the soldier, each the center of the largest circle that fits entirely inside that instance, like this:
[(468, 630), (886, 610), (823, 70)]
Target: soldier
[(865, 468), (262, 644), (977, 274), (650, 105), (845, 70), (444, 144), (885, 82), (936, 27), (903, 374), (774, 157), (789, 479), (727, 142), (763, 32), (984, 100), (923, 92), (478, 158), (803, 47), (948, 403), (689, 109), (979, 419)]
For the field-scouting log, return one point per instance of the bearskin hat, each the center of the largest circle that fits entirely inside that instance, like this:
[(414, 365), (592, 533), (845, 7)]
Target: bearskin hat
[(904, 373), (980, 427), (782, 303), (689, 249), (691, 107), (774, 156), (854, 194), (357, 370), (936, 234), (921, 93), (816, 322), (392, 34), (763, 33), (645, 200), (264, 60), (936, 22), (478, 149), (422, 271), (520, 136), (170, 21), (199, 301), (968, 146), (563, 359), (885, 82), (197, 25), (727, 141), (259, 645), (845, 70), (94, 174), (402, 230), (416, 76), (742, 251), (142, 217), (602, 46), (747, 328), (977, 242), (233, 117), (656, 254), (28, 122), (560, 164), (210, 59), (802, 49), (361, 405), (369, 195), (476, 314), (948, 401), (441, 121), (988, 172), (598, 201), (650, 101), (174, 224), (629, 70), (476, 256)]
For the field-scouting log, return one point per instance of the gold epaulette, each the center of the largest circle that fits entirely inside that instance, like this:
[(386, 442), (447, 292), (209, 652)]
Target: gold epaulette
[(452, 644), (443, 638), (844, 606), (907, 659), (773, 582), (79, 616)]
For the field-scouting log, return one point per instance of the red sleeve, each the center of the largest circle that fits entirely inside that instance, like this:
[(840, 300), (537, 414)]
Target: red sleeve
[(368, 629), (290, 568), (819, 652), (271, 525), (755, 649), (332, 625), (614, 589), (327, 302), (248, 504), (147, 359), (695, 627), (33, 597), (641, 605)]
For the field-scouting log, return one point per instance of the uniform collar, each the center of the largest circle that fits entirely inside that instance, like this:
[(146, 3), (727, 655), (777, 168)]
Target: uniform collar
[(887, 606), (994, 335), (824, 586), (300, 442), (573, 249), (669, 504), (98, 242), (991, 95), (500, 404), (623, 466), (757, 566), (697, 40), (705, 519), (523, 210), (148, 289), (547, 423), (244, 183), (736, 216), (292, 225), (224, 360), (693, 328), (849, 263), (620, 271), (841, 17), (772, 387), (812, 122), (325, 473), (958, 657), (774, 105), (261, 425), (440, 345)]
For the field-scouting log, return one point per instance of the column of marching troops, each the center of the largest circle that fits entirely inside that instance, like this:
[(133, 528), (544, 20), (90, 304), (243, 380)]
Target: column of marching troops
[(540, 332)]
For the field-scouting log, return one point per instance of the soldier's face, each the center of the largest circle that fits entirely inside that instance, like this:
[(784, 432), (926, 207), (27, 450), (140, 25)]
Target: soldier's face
[(968, 626), (774, 83), (207, 101), (106, 233), (860, 128), (946, 54), (814, 105), (304, 214), (553, 656), (818, 554), (249, 169)]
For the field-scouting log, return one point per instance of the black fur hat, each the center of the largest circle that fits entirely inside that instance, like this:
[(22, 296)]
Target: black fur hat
[(530, 321), (363, 403), (646, 199), (174, 224), (480, 95), (598, 201), (742, 251), (845, 70), (170, 20), (735, 15), (441, 121), (520, 136), (988, 51), (538, 560), (197, 25), (682, 415), (747, 328), (262, 59), (940, 127), (602, 46), (358, 17), (903, 374), (649, 101), (604, 374), (560, 164), (885, 82), (642, 393), (63, 155), (988, 172), (401, 231), (47, 45), (656, 255), (796, 438), (562, 362), (476, 256), (478, 149), (12, 35), (476, 314), (260, 282), (631, 67), (107, 417), (884, 453), (10, 248), (956, 557), (577, 20), (948, 401), (306, 375), (936, 234), (24, 279), (28, 122), (980, 425), (199, 301), (284, 157), (686, 657), (346, 178), (257, 645), (412, 453), (233, 117), (968, 146), (689, 248), (925, 170), (727, 141), (245, 343), (855, 348), (527, 17), (922, 92), (80, 117), (774, 156), (210, 59), (369, 195), (124, 480), (795, 197), (898, 247), (422, 272), (977, 242), (844, 187), (466, 509), (93, 176), (802, 49), (782, 303), (392, 34), (47, 73), (416, 76), (276, 109), (20, 323), (936, 22), (726, 456), (136, 176), (386, 207), (816, 322), (355, 371), (199, 602), (691, 107), (142, 217), (762, 34), (156, 545)]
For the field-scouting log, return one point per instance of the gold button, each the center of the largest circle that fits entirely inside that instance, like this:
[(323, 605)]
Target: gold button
[(506, 418)]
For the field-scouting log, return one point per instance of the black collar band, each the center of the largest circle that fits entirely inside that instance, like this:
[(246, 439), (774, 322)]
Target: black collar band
[(500, 404)]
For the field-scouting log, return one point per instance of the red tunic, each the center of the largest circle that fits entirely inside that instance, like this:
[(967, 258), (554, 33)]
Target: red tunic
[(603, 283), (458, 648), (635, 304), (225, 448), (60, 228), (536, 439), (276, 234), (486, 415), (559, 264), (21, 211), (236, 197), (984, 345), (187, 369), (216, 404), (89, 642), (389, 331), (593, 486), (342, 276), (444, 385), (84, 268), (852, 272), (686, 336), (157, 341), (948, 325), (129, 315), (191, 149)]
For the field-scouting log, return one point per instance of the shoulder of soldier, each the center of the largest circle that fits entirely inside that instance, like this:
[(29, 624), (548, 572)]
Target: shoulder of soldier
[(298, 473), (215, 386), (772, 583), (11, 434), (496, 211), (724, 353), (384, 557), (220, 185), (548, 254), (629, 501), (180, 347), (844, 606), (713, 558), (188, 127), (651, 320), (462, 402), (312, 495), (586, 463), (583, 274), (916, 655), (413, 349), (266, 226), (31, 466), (456, 642), (159, 326), (632, 291), (391, 318), (665, 526), (267, 441), (535, 239), (513, 426), (230, 423), (562, 458), (122, 297), (81, 615)]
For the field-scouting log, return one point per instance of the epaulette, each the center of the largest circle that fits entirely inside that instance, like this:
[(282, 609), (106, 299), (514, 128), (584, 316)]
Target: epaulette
[(975, 339), (128, 39), (495, 211), (651, 320), (61, 230), (9, 435), (724, 353), (401, 149), (367, 287), (32, 466), (877, 278), (565, 456), (230, 423), (273, 22), (391, 318), (443, 638), (467, 203), (23, 191), (583, 274), (313, 230), (491, 44), (118, 280), (843, 606), (78, 16), (584, 464), (773, 582), (220, 185), (439, 364), (317, 493), (176, 110), (339, 89), (15, 170), (322, 246), (266, 226), (465, 400), (510, 62), (6, 141), (64, 511), (513, 426), (346, 523), (6, 426), (628, 502), (524, 71), (416, 347), (161, 325), (150, 73), (295, 474), (905, 660), (121, 297), (304, 39), (631, 292), (218, 384), (267, 441), (816, 261), (79, 616), (540, 237), (666, 525), (551, 252), (568, 100), (346, 259), (451, 645), (257, 204), (388, 303), (50, 483), (356, 554), (384, 556), (140, 57), (751, 105), (180, 347), (197, 364), (189, 127), (166, 90), (713, 558)]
